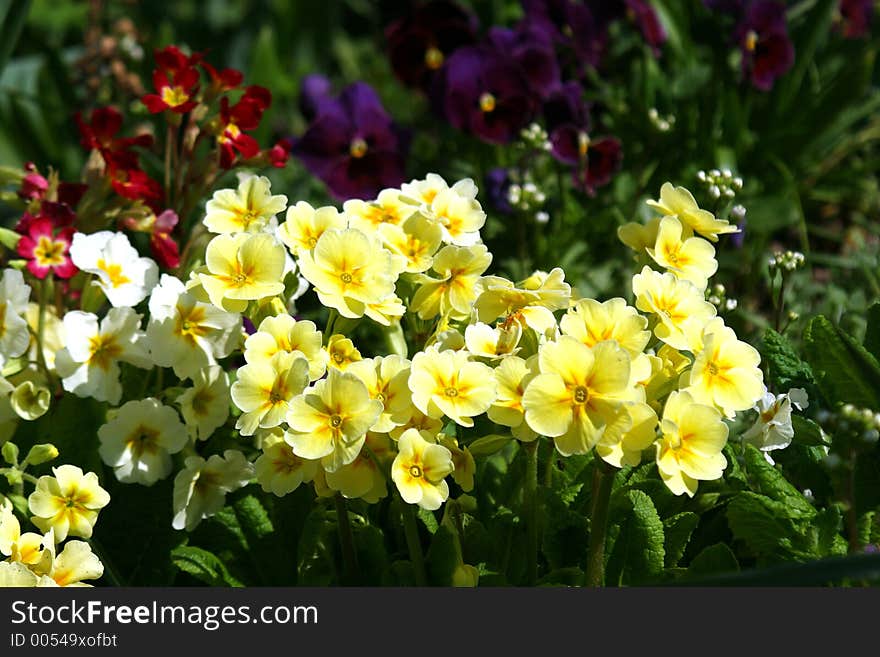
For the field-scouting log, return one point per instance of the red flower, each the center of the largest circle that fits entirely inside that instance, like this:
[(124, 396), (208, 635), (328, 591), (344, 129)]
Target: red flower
[(100, 132), (129, 181), (162, 245), (224, 80), (246, 114), (33, 185), (176, 81), (59, 215), (47, 253), (279, 153)]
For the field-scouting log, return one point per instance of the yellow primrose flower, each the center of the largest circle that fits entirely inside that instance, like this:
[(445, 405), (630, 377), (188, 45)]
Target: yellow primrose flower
[(579, 391), (462, 461), (330, 420), (385, 311), (666, 371), (422, 193), (75, 563), (17, 575), (362, 478), (679, 305), (689, 449), (205, 406), (304, 226), (419, 470), (459, 213), (487, 342), (417, 240), (340, 352), (247, 209), (139, 440), (68, 502), (185, 333), (453, 294), (53, 333), (680, 202), (447, 383), (284, 333), (387, 209), (200, 488), (639, 237), (279, 471), (28, 548), (690, 258), (534, 300), (726, 371), (243, 267), (628, 436), (30, 401), (124, 276), (386, 378), (592, 322), (418, 421), (349, 269), (513, 376), (264, 389)]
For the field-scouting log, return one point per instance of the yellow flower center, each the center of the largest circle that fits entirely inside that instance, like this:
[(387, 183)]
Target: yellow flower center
[(357, 148), (581, 395), (381, 397), (245, 217), (287, 462), (143, 440), (433, 58), (415, 471), (174, 96), (751, 40), (338, 357), (201, 401), (103, 350), (189, 323), (335, 420), (769, 414), (345, 278), (312, 242), (48, 252), (487, 102), (713, 369), (114, 272), (230, 132), (451, 391), (583, 143)]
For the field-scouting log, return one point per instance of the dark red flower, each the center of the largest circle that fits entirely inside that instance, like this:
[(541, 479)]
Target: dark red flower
[(280, 153), (420, 42), (100, 132), (163, 247), (224, 80), (176, 81), (33, 185), (855, 18), (601, 160), (246, 114), (46, 251), (353, 145), (133, 183), (763, 38), (59, 215), (645, 16)]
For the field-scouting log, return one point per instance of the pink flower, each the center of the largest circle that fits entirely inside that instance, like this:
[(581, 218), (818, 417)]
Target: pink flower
[(46, 251)]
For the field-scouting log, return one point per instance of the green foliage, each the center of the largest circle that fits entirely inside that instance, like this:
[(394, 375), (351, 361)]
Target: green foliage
[(635, 550), (202, 565)]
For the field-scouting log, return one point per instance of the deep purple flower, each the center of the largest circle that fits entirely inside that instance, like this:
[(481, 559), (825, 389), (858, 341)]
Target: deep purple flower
[(353, 145), (568, 123), (644, 15), (485, 92), (497, 186), (532, 48), (314, 91), (735, 8), (419, 43), (763, 38), (570, 24), (855, 18)]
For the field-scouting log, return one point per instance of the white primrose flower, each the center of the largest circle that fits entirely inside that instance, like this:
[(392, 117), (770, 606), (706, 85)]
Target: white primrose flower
[(200, 488), (89, 364), (205, 406), (773, 429), (185, 333), (250, 208), (139, 440), (14, 335), (125, 277)]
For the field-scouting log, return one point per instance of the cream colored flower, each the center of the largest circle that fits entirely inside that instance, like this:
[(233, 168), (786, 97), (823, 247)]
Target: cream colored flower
[(68, 502), (249, 209)]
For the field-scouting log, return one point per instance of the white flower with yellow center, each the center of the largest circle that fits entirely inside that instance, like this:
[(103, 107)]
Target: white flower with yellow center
[(248, 209), (125, 277), (304, 226), (386, 379), (89, 363), (205, 406), (420, 468), (773, 428), (279, 471), (186, 334), (14, 335), (138, 442), (68, 502), (264, 390), (28, 548), (284, 333), (73, 565), (200, 488)]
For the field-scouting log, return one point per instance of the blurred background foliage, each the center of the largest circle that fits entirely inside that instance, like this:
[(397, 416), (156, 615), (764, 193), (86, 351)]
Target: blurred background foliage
[(807, 150)]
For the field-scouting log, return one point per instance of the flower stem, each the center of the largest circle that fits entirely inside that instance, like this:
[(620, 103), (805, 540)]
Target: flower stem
[(530, 502), (346, 540), (411, 529), (603, 478)]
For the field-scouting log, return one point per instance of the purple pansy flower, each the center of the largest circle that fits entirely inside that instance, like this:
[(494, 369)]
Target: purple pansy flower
[(315, 91), (570, 24), (763, 38), (420, 43), (353, 145), (532, 48), (644, 15), (497, 186), (485, 92)]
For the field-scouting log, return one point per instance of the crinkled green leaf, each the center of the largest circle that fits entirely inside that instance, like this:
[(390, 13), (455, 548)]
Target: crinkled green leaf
[(203, 565), (769, 481), (785, 367), (634, 545), (677, 532), (717, 558), (488, 445)]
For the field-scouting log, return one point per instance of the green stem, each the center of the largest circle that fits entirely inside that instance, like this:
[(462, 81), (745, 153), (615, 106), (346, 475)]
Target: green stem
[(346, 540), (530, 501), (331, 322), (169, 137), (603, 478), (411, 529)]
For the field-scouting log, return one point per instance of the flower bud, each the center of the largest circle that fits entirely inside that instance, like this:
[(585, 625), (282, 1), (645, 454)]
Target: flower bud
[(30, 401), (465, 575), (39, 454)]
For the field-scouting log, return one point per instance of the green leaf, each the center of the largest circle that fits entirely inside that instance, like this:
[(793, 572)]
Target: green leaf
[(872, 335), (821, 572), (785, 368), (847, 371), (766, 527), (9, 238), (427, 517), (827, 526), (14, 15), (677, 532), (443, 556), (637, 553), (767, 480), (488, 445), (717, 558), (203, 565)]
